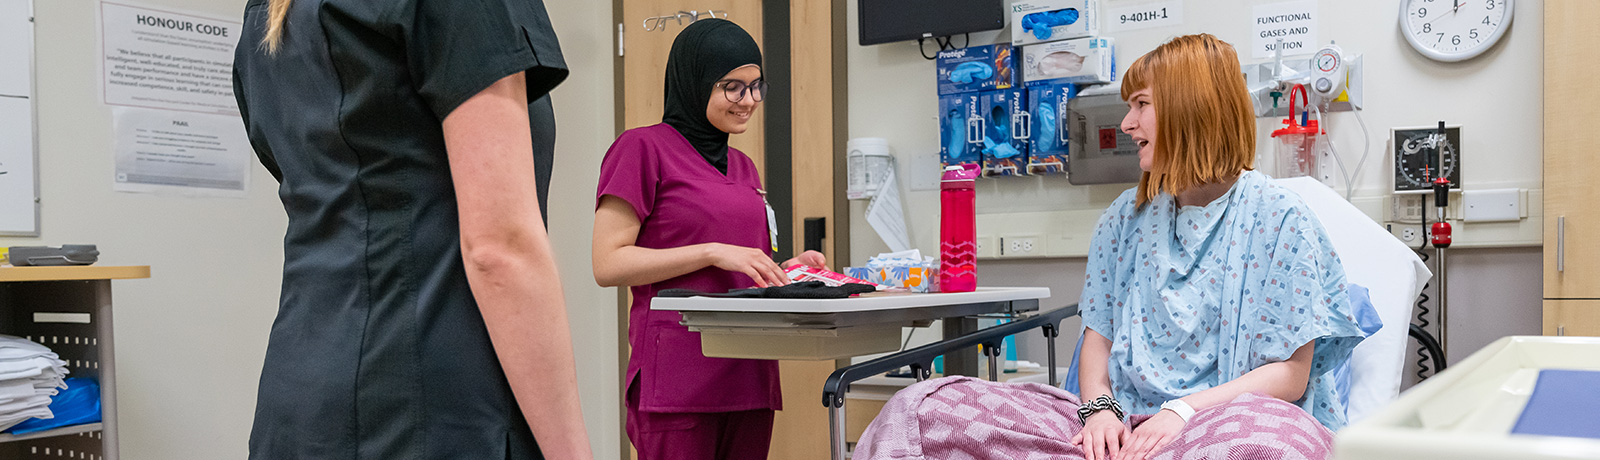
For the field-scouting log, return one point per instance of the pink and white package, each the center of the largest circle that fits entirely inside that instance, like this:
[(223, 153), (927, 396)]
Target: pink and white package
[(801, 272)]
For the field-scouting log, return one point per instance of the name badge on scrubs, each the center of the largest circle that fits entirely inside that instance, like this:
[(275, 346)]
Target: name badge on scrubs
[(772, 220)]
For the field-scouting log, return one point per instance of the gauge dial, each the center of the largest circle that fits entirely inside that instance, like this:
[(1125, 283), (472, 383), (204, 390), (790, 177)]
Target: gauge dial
[(1413, 147)]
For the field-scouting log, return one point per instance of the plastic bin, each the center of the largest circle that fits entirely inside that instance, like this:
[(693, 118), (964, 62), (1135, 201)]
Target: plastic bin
[(1467, 411)]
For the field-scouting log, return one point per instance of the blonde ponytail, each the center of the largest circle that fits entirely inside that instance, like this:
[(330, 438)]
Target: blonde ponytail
[(277, 15)]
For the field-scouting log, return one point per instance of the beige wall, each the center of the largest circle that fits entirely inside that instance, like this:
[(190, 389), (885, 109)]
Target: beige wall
[(190, 340), (585, 128)]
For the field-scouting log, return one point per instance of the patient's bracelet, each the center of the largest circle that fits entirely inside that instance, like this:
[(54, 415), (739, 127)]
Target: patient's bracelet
[(1101, 403), (1177, 406)]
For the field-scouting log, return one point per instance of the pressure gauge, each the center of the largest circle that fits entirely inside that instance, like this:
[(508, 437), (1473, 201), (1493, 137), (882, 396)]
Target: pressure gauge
[(1418, 159), (1454, 30), (1327, 72)]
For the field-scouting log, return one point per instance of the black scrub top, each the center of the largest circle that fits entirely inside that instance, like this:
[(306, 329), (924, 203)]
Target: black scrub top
[(378, 350)]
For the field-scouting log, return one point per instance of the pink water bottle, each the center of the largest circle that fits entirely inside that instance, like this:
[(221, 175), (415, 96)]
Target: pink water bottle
[(958, 229)]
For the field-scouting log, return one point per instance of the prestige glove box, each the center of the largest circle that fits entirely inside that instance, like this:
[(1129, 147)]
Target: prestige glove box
[(1049, 135), (976, 68), (1082, 61), (1040, 21), (960, 129), (1005, 132)]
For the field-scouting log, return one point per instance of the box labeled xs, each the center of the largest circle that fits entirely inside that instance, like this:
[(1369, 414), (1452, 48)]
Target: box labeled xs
[(1039, 21)]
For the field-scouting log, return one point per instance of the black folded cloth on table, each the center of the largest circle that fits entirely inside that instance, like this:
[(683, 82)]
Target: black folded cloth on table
[(801, 290)]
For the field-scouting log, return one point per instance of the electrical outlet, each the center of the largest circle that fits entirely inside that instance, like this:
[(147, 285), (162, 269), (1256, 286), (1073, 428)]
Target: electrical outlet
[(1408, 234), (1406, 208), (1021, 246), (987, 247)]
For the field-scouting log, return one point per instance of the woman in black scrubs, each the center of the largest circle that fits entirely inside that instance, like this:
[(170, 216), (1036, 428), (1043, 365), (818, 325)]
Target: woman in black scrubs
[(421, 315)]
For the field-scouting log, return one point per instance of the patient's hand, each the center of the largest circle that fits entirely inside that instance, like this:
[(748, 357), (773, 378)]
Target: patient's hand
[(1153, 435), (1102, 434)]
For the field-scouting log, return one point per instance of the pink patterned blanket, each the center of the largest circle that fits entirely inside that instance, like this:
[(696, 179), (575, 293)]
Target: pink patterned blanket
[(967, 418)]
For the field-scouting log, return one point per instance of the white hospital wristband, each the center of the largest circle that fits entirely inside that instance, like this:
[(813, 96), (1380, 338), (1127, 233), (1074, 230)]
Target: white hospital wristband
[(1177, 406)]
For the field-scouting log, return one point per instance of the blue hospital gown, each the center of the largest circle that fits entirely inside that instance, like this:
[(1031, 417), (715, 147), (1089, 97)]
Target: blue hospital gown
[(1192, 298)]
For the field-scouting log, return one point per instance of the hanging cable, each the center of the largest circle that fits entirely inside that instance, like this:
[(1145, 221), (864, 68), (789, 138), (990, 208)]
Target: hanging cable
[(924, 52), (1322, 124), (1422, 297), (945, 43), (1366, 148)]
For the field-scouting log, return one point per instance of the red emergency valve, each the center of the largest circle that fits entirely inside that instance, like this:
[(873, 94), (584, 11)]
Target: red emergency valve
[(1440, 235)]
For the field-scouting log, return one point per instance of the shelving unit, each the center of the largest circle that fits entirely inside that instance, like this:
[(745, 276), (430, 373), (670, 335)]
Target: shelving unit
[(69, 310)]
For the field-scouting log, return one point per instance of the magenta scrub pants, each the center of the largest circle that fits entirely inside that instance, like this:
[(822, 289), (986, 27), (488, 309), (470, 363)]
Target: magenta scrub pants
[(744, 435)]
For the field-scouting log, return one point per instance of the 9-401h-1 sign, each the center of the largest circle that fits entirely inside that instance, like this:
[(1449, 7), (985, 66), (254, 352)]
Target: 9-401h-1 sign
[(1144, 16)]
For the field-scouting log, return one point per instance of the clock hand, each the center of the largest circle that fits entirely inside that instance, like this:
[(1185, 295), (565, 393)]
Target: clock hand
[(1452, 10)]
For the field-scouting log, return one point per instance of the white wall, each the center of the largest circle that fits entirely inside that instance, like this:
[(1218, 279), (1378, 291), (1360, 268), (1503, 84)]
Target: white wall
[(190, 340), (585, 127), (1496, 97)]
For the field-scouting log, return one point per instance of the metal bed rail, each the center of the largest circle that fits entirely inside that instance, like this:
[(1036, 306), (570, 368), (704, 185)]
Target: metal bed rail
[(920, 360)]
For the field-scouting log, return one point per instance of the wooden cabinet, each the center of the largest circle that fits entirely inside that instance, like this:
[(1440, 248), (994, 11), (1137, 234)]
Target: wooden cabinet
[(1572, 317), (1572, 221)]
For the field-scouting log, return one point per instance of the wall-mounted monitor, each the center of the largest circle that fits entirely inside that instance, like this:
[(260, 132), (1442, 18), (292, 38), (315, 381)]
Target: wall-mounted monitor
[(884, 21)]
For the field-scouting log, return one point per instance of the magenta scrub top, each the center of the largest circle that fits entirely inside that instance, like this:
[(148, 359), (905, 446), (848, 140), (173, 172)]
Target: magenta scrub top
[(682, 200)]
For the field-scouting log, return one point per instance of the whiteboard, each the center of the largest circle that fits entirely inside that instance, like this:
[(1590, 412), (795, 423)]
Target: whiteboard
[(19, 189), (16, 48), (19, 212)]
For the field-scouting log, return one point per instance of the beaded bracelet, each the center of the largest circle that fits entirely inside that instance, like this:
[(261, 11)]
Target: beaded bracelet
[(1101, 403)]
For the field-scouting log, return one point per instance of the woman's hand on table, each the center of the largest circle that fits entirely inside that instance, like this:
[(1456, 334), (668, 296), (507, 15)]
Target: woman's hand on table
[(1102, 436), (811, 259), (752, 262), (1154, 434)]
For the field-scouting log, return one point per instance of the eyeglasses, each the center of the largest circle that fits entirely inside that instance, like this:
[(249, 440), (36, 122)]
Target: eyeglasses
[(735, 90)]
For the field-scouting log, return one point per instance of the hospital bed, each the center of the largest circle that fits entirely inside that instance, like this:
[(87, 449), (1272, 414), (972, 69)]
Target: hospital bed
[(1373, 258), (1470, 411)]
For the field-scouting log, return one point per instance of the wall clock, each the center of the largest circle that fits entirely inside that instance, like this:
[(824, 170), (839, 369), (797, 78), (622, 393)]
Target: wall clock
[(1454, 30)]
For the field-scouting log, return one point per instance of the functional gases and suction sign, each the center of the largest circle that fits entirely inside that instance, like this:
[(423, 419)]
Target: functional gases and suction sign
[(1293, 22)]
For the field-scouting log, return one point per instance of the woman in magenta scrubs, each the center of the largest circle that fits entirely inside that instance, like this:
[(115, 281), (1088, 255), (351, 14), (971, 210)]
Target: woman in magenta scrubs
[(678, 208)]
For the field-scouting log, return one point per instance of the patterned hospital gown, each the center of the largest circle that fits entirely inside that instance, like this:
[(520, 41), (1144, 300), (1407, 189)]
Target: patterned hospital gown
[(1195, 297)]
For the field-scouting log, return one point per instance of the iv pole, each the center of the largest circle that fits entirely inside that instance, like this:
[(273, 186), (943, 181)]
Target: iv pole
[(1441, 237)]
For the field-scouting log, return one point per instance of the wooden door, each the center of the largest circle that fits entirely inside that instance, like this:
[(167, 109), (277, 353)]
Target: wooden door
[(1572, 317), (644, 60), (1571, 111)]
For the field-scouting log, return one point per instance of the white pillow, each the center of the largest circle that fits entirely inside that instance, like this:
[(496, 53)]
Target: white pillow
[(1393, 275)]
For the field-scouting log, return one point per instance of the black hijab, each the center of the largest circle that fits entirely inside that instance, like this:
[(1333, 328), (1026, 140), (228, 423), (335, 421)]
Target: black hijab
[(702, 54)]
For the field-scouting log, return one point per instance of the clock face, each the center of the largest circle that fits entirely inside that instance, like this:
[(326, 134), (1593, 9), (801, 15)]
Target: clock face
[(1454, 30), (1417, 161)]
